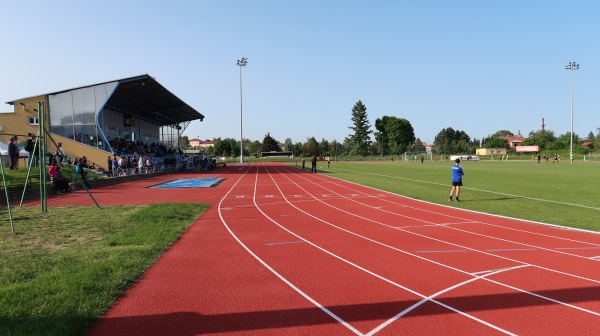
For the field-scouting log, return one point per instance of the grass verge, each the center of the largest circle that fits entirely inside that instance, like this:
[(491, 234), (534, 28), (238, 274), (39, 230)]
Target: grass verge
[(63, 269)]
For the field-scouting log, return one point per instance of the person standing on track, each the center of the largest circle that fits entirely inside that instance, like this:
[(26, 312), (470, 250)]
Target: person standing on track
[(457, 174), (313, 169)]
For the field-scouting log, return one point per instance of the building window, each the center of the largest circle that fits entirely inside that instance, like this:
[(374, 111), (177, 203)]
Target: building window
[(32, 121)]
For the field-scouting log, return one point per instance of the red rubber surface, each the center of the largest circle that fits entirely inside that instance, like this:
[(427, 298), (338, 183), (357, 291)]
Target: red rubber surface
[(285, 252)]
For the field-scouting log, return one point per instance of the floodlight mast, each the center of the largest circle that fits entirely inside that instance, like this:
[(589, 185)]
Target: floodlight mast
[(241, 63), (572, 66)]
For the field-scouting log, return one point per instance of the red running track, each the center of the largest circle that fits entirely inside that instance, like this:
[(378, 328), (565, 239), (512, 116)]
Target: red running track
[(285, 252)]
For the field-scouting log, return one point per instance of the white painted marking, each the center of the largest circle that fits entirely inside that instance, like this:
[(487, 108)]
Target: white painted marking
[(370, 272), (457, 245), (287, 282)]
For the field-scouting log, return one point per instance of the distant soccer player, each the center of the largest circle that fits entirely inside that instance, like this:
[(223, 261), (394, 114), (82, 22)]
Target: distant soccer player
[(457, 174)]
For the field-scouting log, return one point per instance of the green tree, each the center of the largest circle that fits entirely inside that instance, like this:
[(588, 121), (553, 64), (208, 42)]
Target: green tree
[(297, 149), (288, 145), (311, 147), (323, 148), (185, 142), (450, 141), (496, 142), (218, 147), (564, 142), (417, 146), (542, 138), (591, 137), (361, 128), (397, 134), (255, 148), (269, 144), (335, 148), (501, 133), (230, 147)]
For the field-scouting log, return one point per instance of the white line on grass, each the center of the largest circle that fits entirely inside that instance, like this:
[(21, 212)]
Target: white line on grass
[(480, 190)]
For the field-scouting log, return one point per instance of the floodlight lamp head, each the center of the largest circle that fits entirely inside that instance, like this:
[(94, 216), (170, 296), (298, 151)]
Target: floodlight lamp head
[(242, 62)]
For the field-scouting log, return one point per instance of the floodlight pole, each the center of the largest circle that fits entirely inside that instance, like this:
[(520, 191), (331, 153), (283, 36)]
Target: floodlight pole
[(241, 63), (572, 66), (382, 145)]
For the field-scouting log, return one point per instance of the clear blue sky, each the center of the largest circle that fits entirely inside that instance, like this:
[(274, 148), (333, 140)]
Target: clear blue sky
[(476, 66)]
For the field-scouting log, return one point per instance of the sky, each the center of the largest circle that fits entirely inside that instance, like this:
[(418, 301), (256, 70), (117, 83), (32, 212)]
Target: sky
[(475, 66)]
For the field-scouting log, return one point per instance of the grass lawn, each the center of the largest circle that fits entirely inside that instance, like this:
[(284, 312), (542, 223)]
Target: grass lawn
[(61, 270), (558, 193)]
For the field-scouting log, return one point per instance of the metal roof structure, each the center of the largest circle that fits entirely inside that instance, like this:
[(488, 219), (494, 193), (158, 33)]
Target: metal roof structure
[(143, 96)]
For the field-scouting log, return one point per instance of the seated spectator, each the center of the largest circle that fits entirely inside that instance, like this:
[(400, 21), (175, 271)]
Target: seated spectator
[(62, 183), (116, 166), (149, 164), (54, 176), (82, 174), (141, 164), (109, 166), (59, 154)]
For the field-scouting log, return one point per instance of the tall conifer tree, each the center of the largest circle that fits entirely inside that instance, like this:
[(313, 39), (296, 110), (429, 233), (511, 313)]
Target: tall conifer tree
[(360, 138)]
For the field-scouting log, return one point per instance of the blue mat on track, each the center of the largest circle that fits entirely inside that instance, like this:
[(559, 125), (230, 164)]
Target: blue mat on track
[(201, 182)]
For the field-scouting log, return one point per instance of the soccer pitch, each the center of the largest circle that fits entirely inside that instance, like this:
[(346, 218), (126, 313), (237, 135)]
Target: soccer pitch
[(555, 193)]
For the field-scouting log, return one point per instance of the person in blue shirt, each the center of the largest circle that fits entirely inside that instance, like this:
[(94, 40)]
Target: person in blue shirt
[(457, 174), (82, 173)]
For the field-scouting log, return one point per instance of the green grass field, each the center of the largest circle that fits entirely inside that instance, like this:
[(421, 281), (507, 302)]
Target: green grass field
[(559, 193), (61, 270)]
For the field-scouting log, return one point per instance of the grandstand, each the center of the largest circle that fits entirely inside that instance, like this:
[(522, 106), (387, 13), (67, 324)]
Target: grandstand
[(117, 117)]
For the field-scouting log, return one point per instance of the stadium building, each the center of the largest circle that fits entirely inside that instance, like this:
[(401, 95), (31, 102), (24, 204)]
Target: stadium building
[(109, 118)]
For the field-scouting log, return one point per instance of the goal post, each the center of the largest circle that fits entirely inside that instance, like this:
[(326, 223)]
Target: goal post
[(416, 156)]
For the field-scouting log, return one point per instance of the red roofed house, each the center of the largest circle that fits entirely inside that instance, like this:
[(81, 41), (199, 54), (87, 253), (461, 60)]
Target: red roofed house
[(200, 144), (513, 141)]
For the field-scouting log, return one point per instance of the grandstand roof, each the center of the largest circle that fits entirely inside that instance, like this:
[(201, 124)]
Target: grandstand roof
[(146, 94)]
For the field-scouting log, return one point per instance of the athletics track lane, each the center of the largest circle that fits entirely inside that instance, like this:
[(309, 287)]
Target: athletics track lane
[(207, 283), (578, 288)]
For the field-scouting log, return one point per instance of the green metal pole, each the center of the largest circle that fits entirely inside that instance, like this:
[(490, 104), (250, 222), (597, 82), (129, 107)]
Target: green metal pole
[(42, 157), (74, 173), (35, 145), (12, 223)]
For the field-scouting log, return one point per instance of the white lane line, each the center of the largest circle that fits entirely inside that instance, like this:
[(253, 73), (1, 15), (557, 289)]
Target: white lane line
[(339, 184), (375, 274), (439, 251), (287, 282), (432, 296), (483, 223), (513, 249), (450, 267), (285, 243), (457, 245), (556, 250)]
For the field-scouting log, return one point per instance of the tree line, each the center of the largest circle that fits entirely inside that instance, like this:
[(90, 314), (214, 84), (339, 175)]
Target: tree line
[(394, 136)]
